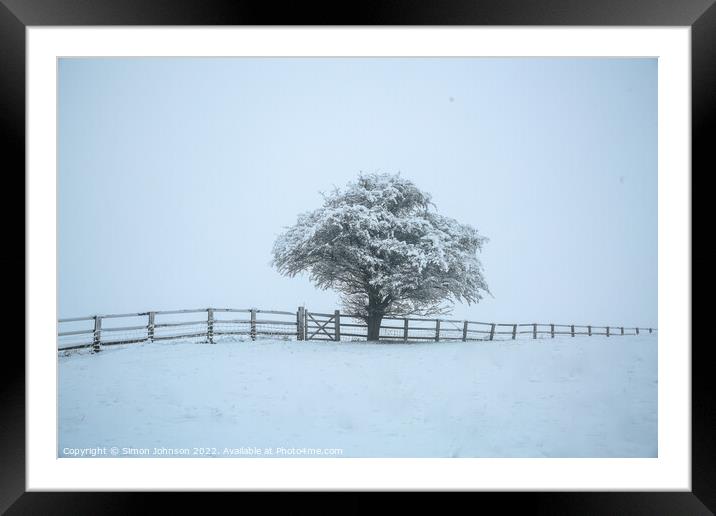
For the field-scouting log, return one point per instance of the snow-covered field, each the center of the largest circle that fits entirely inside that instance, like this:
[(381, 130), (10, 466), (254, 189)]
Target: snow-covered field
[(562, 397)]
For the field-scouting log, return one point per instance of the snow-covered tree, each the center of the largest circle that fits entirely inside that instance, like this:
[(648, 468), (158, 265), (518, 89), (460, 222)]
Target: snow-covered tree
[(381, 244)]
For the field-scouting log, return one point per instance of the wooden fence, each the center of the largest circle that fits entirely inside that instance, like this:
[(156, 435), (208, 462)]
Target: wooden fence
[(216, 323)]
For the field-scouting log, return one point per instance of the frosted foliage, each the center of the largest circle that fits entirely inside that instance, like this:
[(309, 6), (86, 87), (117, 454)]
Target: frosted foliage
[(381, 244)]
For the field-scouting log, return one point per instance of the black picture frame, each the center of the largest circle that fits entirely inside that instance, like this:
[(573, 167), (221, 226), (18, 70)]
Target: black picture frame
[(16, 15)]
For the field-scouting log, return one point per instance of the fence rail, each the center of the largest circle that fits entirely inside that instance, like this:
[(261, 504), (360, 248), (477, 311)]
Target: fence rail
[(109, 329)]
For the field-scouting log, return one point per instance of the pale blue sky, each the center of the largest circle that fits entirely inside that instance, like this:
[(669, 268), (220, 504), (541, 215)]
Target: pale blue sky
[(176, 175)]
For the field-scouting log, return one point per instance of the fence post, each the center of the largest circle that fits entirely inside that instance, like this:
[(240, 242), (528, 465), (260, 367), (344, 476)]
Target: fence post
[(337, 321), (299, 323), (637, 331), (492, 331), (551, 329), (464, 331), (622, 330), (589, 330), (150, 327), (437, 330), (534, 330), (572, 327), (514, 331), (253, 324), (607, 331), (305, 324), (405, 330), (97, 336), (210, 325)]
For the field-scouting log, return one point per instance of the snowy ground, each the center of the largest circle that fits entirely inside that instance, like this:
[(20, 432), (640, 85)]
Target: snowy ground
[(562, 397)]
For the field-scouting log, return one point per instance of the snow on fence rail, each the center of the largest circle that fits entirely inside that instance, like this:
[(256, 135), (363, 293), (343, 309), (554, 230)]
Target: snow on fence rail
[(214, 324)]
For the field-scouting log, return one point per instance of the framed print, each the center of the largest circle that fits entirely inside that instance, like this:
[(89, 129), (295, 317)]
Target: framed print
[(320, 188)]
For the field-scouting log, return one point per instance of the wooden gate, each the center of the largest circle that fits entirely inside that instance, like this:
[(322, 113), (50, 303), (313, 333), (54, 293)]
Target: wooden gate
[(320, 326)]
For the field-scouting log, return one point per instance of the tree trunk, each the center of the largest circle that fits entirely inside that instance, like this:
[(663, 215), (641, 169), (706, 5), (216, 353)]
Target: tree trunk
[(377, 306), (374, 321)]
